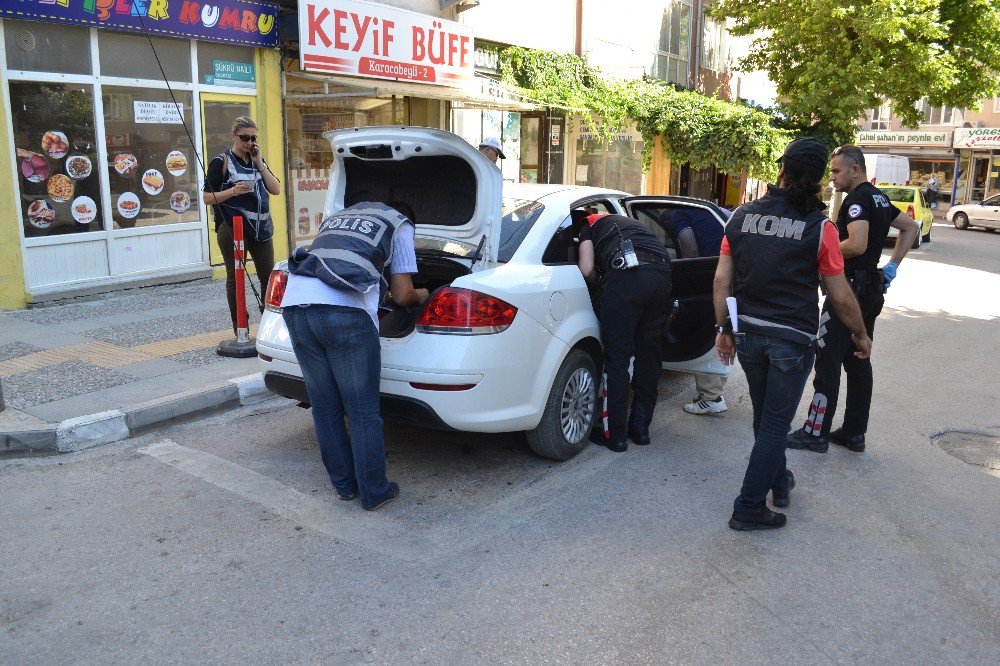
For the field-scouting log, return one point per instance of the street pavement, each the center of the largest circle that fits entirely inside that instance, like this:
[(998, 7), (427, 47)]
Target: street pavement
[(219, 540), (144, 353)]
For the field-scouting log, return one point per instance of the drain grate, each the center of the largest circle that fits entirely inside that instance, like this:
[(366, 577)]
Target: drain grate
[(970, 447)]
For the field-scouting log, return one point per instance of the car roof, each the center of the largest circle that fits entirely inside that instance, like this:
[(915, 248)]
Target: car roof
[(536, 192)]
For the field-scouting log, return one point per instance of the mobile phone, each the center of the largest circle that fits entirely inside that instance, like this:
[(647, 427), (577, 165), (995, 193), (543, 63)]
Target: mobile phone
[(255, 150)]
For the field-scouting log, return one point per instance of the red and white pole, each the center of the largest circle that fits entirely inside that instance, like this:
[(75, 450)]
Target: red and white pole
[(239, 256)]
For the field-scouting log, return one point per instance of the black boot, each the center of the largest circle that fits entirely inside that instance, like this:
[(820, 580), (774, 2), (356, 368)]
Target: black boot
[(638, 425), (855, 443), (800, 439), (761, 519)]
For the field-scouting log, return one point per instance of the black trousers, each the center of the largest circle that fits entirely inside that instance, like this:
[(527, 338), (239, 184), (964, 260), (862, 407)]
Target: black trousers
[(262, 253), (836, 351), (633, 313)]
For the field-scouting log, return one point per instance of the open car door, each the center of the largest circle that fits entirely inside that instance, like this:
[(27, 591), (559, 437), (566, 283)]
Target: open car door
[(689, 338)]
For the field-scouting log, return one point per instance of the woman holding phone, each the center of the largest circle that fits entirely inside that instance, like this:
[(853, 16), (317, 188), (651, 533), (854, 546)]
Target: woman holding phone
[(239, 183)]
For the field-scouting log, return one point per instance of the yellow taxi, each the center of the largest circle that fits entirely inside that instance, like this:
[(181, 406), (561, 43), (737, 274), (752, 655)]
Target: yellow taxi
[(910, 199)]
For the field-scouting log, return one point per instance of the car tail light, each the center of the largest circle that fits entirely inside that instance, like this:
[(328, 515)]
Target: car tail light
[(912, 213), (276, 290), (456, 311)]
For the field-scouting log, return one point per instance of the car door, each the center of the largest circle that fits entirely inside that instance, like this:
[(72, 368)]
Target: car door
[(689, 337), (989, 211)]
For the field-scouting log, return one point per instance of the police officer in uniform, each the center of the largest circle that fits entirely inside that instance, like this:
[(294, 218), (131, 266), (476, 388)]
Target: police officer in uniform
[(330, 308), (863, 225), (634, 270), (773, 253)]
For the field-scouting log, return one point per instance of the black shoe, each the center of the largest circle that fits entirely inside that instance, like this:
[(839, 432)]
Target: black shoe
[(780, 499), (855, 443), (388, 497), (597, 437), (801, 440), (761, 519), (640, 439), (348, 497)]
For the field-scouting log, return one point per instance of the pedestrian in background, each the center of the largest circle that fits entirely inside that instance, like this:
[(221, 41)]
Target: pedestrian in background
[(330, 308), (490, 147), (773, 253), (239, 183), (863, 225), (634, 270)]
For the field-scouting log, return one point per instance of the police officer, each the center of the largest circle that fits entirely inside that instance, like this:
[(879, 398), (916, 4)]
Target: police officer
[(773, 253), (863, 225), (330, 307), (633, 267)]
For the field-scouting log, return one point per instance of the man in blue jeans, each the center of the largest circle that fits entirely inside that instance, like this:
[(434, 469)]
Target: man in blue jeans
[(330, 308), (773, 253)]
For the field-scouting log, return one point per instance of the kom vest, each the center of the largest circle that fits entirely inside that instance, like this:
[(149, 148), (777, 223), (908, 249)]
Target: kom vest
[(351, 248), (775, 257), (608, 231), (254, 206)]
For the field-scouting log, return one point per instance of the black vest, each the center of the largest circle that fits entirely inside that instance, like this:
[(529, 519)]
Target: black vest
[(604, 232), (776, 267)]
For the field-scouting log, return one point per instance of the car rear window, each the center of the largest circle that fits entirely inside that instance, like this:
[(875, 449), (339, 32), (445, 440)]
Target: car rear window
[(519, 215), (900, 194)]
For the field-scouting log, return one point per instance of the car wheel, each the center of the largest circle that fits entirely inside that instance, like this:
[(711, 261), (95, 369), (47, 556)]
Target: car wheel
[(961, 221), (569, 411), (927, 237)]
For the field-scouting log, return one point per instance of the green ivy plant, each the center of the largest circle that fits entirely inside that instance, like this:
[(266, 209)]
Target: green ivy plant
[(694, 128)]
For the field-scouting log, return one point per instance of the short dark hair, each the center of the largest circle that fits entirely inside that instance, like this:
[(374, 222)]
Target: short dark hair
[(403, 209), (852, 153)]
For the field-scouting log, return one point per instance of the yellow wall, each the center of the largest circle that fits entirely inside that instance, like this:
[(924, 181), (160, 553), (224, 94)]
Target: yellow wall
[(657, 179), (11, 264), (269, 106)]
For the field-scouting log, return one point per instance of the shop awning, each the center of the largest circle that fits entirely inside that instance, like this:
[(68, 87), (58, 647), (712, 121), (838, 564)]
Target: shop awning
[(481, 93)]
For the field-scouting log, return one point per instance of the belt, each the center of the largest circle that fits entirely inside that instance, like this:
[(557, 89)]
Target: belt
[(650, 258)]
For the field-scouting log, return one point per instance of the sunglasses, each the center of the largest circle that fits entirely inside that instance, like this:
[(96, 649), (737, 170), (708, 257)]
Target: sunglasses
[(247, 138)]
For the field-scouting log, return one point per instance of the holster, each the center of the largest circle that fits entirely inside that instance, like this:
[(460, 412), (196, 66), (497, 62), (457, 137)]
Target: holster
[(867, 281)]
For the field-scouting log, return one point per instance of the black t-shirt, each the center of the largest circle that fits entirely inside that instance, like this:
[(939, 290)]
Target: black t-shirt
[(866, 202)]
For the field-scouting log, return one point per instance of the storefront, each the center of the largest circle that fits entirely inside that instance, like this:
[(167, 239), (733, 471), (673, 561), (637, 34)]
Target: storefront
[(978, 175), (330, 85), (929, 154), (593, 160), (105, 151)]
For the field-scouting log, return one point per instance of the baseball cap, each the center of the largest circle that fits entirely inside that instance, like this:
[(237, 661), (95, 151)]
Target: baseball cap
[(494, 143), (808, 155)]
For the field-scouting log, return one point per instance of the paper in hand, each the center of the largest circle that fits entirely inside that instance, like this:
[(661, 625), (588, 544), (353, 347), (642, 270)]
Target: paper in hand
[(731, 304)]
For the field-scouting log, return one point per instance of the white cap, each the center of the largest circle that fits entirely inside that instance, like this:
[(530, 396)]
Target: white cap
[(494, 143)]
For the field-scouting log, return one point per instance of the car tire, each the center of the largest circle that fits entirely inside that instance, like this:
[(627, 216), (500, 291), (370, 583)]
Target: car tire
[(961, 221), (570, 410), (927, 237)]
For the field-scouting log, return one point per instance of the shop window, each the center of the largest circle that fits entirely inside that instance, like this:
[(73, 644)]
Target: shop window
[(58, 174), (47, 47), (129, 56), (226, 65), (151, 164)]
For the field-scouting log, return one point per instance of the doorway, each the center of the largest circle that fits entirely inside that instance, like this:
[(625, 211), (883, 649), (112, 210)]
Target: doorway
[(218, 113)]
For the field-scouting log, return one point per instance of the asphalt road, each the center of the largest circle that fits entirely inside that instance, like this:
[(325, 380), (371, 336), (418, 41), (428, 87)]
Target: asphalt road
[(220, 541)]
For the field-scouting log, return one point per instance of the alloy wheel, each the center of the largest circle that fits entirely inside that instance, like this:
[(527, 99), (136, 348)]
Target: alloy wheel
[(576, 413)]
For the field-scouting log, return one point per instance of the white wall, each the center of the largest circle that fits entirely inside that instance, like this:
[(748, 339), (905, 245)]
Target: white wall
[(537, 24), (429, 7)]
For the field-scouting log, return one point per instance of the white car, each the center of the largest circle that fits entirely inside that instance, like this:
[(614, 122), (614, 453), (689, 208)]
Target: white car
[(984, 214), (508, 340)]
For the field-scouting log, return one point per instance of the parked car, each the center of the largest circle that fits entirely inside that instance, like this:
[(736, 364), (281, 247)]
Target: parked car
[(888, 169), (911, 201), (509, 339), (984, 214)]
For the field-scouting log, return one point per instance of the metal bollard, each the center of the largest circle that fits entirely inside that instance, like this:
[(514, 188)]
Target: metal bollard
[(242, 346)]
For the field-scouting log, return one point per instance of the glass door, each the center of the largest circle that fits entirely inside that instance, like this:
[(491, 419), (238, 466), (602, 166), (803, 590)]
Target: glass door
[(218, 113)]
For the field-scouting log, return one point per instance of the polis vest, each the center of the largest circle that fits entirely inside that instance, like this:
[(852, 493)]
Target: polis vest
[(608, 231), (776, 267), (351, 248), (254, 206)]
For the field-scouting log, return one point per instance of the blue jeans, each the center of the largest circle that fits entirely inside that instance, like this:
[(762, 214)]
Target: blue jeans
[(340, 358), (776, 372)]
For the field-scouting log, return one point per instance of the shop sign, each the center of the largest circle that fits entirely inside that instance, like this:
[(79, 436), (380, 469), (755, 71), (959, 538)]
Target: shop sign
[(904, 138), (977, 137), (248, 22), (232, 74), (554, 133), (373, 40), (588, 133), (157, 113)]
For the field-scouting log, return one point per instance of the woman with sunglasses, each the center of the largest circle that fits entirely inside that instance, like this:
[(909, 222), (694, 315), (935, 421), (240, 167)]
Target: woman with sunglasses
[(239, 183)]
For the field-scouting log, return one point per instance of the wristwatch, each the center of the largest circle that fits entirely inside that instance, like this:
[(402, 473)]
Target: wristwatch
[(724, 328)]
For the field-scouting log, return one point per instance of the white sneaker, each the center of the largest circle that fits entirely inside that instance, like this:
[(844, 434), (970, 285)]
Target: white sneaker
[(701, 406)]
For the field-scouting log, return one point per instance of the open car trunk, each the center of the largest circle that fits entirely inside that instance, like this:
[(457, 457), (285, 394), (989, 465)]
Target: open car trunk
[(432, 274)]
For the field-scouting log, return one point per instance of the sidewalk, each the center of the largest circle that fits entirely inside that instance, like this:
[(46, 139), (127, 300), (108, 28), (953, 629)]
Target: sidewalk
[(91, 372)]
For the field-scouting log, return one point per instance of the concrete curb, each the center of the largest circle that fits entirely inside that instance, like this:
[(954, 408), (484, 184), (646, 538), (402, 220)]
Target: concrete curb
[(91, 430)]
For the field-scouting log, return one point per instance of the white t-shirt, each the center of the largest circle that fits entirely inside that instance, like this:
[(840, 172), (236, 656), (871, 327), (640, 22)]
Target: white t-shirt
[(303, 290)]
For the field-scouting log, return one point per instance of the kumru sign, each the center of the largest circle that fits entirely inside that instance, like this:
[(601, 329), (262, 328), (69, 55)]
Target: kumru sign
[(247, 22), (904, 138), (977, 137), (373, 40)]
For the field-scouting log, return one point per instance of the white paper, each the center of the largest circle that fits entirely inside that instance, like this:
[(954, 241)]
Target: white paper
[(731, 304)]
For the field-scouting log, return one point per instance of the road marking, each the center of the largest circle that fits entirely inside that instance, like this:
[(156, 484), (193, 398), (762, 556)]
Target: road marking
[(342, 520)]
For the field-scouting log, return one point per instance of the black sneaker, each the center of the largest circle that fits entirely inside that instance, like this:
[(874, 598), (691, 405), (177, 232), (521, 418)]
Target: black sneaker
[(800, 439), (780, 499), (388, 497), (348, 497), (761, 519), (855, 443)]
